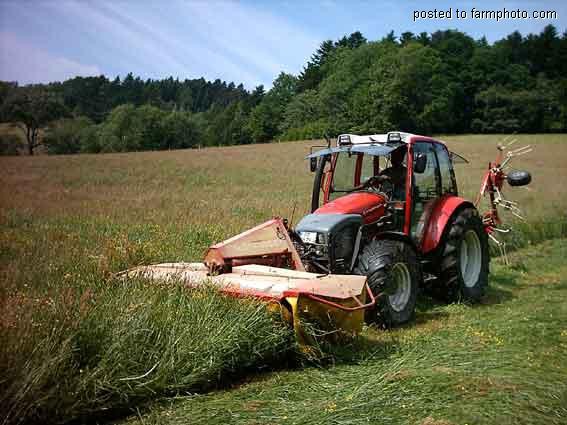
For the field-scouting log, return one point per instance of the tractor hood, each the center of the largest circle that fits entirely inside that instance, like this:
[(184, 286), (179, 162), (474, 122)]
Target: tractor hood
[(369, 205)]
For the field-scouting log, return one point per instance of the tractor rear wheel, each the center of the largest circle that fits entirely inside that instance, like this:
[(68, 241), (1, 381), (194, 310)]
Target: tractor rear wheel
[(465, 258), (393, 273)]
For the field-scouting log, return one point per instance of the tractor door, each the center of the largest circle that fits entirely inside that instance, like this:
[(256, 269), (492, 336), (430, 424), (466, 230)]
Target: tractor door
[(448, 180), (426, 186)]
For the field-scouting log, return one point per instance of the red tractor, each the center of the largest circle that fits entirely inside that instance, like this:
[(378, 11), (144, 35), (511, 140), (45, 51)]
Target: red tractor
[(388, 207), (386, 220)]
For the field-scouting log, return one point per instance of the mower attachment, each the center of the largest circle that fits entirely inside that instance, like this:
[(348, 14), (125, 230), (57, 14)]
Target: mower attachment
[(267, 244), (333, 304)]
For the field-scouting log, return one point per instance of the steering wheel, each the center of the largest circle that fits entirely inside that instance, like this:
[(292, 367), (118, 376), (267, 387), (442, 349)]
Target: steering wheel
[(375, 181)]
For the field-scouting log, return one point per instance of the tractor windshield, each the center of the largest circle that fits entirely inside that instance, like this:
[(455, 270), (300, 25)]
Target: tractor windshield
[(345, 171)]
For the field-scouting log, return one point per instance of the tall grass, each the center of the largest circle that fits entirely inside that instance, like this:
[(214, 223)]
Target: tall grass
[(525, 233), (81, 354), (76, 343)]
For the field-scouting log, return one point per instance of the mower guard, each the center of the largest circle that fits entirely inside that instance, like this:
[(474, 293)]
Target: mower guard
[(268, 244)]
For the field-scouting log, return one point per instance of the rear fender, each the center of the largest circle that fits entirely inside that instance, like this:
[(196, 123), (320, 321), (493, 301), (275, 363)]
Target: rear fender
[(440, 215)]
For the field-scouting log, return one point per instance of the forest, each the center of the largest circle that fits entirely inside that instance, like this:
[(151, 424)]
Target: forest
[(445, 82)]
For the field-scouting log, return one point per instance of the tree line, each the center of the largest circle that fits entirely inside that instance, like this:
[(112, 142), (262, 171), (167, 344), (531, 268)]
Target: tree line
[(444, 82)]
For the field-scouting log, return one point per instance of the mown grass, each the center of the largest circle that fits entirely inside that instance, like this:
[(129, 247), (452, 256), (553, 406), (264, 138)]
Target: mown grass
[(501, 362), (67, 224)]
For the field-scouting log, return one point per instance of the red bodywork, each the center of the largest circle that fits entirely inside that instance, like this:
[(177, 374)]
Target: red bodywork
[(370, 205), (492, 183), (438, 215)]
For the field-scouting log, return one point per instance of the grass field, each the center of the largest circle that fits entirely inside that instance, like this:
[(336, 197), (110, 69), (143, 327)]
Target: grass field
[(502, 362), (73, 337)]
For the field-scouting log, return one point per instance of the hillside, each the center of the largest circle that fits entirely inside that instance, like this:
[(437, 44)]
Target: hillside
[(443, 82)]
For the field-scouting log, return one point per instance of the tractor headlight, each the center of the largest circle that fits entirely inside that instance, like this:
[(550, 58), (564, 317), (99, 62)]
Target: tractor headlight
[(308, 237), (314, 238)]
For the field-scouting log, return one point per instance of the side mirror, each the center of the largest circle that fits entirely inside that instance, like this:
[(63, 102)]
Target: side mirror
[(419, 163), (312, 164)]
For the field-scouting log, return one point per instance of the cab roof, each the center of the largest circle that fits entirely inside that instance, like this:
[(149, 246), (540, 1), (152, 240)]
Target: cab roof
[(390, 138), (376, 144)]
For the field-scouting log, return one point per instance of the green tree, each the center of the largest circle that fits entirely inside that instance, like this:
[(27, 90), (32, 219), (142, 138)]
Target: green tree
[(407, 37), (32, 108), (90, 139), (148, 120), (266, 117), (185, 99), (390, 37), (501, 110), (6, 88), (312, 74), (180, 131), (343, 96), (423, 38), (300, 111), (64, 136), (122, 131), (9, 144)]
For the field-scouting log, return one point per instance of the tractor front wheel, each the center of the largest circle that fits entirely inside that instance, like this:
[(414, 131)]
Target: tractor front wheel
[(393, 275), (465, 258)]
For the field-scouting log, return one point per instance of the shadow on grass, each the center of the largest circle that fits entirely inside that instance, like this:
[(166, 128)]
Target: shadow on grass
[(424, 317), (500, 289), (495, 296)]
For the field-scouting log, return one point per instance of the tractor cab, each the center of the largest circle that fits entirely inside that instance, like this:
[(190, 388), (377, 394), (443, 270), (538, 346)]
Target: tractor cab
[(392, 180)]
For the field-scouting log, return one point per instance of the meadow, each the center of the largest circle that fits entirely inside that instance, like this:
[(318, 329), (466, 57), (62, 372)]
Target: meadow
[(79, 344)]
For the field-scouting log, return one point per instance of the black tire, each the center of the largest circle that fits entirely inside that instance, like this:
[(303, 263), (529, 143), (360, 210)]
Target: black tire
[(385, 262), (518, 178), (464, 279)]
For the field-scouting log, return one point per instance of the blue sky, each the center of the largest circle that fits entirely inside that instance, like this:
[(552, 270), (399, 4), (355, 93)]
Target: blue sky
[(247, 41)]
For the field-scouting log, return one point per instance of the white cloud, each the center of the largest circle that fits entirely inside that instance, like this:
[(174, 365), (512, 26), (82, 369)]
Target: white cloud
[(226, 40), (266, 42), (190, 53), (121, 39), (22, 62)]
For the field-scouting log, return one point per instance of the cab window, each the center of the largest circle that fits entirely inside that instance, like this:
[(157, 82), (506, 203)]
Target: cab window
[(368, 167), (448, 181), (426, 186), (343, 175)]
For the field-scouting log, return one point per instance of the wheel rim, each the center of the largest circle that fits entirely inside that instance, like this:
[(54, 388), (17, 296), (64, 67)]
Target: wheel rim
[(470, 258), (402, 280)]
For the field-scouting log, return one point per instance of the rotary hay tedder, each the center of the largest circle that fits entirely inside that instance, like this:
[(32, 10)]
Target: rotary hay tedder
[(386, 219)]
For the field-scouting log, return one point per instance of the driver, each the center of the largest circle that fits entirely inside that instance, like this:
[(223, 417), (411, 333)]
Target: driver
[(393, 178), (396, 173)]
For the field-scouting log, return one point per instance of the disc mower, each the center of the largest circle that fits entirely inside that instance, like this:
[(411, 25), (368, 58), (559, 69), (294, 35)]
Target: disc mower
[(386, 219)]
